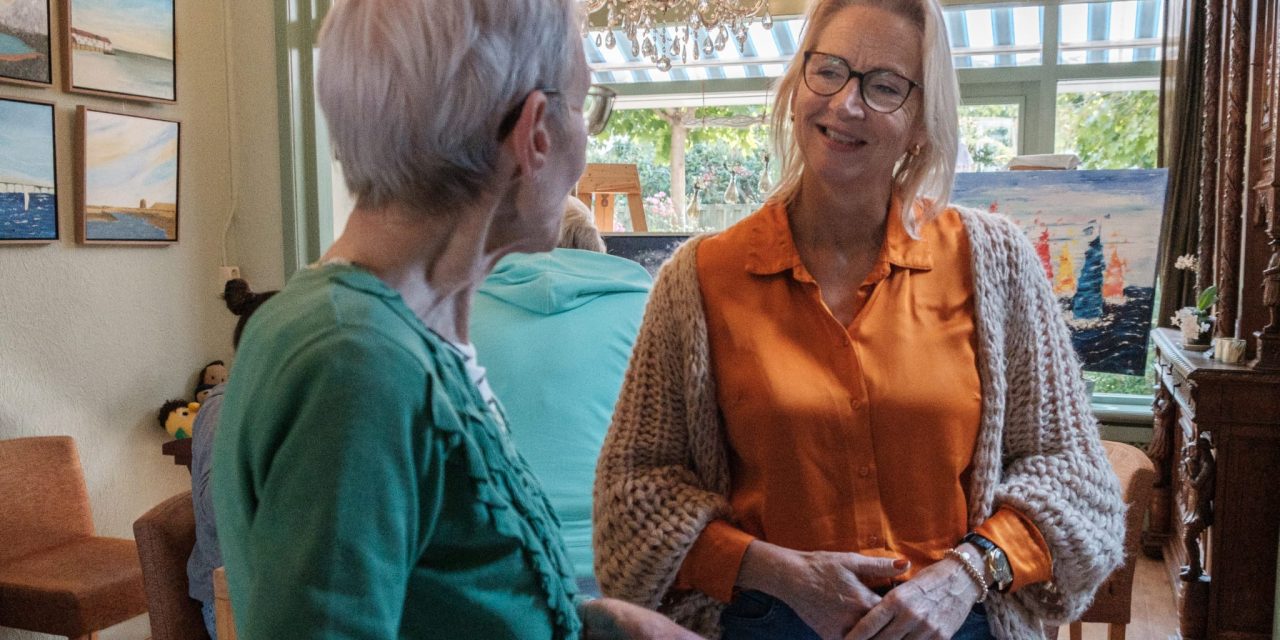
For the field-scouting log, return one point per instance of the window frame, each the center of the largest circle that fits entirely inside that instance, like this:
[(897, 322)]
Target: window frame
[(307, 176)]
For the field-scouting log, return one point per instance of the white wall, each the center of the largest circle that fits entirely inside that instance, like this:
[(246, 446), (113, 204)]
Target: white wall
[(94, 339)]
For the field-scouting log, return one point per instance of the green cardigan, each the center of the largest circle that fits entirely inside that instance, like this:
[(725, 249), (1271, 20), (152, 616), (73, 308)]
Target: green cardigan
[(364, 490)]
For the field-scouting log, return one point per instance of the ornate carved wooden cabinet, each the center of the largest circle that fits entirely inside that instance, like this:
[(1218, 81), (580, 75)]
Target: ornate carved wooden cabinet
[(1216, 515)]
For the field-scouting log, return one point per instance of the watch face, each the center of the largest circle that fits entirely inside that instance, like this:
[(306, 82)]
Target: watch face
[(998, 565)]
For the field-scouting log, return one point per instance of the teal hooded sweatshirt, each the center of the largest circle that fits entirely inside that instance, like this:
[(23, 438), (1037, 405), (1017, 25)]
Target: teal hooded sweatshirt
[(555, 331)]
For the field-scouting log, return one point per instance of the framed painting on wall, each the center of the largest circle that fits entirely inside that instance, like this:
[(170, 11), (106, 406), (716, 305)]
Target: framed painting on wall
[(120, 48), (28, 168), (126, 179), (24, 42), (1095, 235)]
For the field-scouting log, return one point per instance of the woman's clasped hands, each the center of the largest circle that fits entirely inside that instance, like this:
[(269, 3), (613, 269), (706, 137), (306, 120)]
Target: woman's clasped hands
[(829, 591)]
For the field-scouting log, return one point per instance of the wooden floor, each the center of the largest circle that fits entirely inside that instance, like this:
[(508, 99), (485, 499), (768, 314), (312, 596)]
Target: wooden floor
[(1154, 616)]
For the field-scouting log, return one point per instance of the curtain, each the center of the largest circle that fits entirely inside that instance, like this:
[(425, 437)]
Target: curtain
[(1181, 138)]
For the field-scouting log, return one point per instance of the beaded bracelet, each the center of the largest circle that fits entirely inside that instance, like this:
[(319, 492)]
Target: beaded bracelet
[(971, 569)]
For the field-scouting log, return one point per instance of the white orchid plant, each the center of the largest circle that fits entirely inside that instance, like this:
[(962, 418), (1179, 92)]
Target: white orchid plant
[(1195, 322)]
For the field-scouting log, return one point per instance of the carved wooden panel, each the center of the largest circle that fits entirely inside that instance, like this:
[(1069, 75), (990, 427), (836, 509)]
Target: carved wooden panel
[(1234, 507)]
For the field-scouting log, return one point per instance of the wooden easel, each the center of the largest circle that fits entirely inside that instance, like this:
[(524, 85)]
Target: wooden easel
[(605, 182)]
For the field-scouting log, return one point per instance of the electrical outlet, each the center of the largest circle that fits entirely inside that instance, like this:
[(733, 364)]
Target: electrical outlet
[(229, 273)]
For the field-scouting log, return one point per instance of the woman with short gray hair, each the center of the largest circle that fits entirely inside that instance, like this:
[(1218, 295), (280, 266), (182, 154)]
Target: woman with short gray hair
[(366, 486)]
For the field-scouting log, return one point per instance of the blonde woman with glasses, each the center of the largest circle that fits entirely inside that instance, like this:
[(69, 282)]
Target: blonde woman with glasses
[(856, 413)]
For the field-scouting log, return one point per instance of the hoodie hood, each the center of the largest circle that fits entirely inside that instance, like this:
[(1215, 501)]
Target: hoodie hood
[(563, 279)]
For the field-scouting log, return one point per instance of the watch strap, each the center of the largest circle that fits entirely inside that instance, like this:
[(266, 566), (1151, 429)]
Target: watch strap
[(995, 559)]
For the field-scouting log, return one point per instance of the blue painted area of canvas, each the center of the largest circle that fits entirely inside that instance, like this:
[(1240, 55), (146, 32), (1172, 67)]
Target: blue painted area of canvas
[(34, 220), (1096, 234), (124, 227), (11, 46)]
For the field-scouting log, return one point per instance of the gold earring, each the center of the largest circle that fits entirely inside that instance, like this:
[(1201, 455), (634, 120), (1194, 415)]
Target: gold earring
[(914, 151)]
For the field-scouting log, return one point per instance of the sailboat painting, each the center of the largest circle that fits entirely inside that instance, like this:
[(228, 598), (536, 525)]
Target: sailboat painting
[(1095, 234), (28, 184)]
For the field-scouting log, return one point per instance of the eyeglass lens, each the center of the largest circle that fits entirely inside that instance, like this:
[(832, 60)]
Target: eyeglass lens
[(881, 89), (598, 108)]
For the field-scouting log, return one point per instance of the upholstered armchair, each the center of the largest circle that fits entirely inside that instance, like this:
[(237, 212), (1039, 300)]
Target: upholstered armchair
[(56, 576)]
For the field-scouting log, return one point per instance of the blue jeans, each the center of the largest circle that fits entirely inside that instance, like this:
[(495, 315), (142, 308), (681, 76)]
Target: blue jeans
[(210, 625), (759, 616)]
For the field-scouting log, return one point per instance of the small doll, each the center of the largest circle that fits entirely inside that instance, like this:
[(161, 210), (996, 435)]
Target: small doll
[(212, 375), (177, 416)]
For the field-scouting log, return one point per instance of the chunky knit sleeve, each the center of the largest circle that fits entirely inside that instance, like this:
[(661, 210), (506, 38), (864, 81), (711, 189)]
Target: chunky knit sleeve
[(662, 475), (1053, 467)]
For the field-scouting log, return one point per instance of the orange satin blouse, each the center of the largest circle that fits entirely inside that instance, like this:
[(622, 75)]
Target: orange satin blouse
[(854, 438)]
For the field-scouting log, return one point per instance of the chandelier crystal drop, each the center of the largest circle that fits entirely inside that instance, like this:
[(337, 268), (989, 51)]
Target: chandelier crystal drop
[(696, 26)]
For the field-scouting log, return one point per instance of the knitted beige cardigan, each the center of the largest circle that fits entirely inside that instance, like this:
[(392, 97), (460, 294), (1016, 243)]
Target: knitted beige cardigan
[(663, 473)]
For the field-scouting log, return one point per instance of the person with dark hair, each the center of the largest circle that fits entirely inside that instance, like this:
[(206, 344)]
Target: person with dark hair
[(205, 556)]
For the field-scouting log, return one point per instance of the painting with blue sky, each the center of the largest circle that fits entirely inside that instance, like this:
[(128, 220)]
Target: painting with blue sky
[(1095, 234), (28, 187), (123, 47), (130, 190)]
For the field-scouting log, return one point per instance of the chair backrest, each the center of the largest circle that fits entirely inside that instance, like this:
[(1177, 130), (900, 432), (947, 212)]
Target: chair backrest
[(1137, 476), (43, 499), (166, 535)]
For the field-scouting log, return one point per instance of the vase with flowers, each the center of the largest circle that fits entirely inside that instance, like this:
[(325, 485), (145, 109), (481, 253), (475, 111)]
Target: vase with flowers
[(1196, 322)]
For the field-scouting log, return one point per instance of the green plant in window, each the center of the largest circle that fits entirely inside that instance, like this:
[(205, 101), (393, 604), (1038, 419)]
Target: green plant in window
[(1109, 130)]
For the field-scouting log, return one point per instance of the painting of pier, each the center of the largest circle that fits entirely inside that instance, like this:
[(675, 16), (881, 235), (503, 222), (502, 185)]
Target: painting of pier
[(1096, 235), (24, 42), (28, 186), (123, 48), (129, 173)]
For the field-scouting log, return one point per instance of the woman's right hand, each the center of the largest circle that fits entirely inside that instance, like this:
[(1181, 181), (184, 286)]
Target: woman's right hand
[(825, 588)]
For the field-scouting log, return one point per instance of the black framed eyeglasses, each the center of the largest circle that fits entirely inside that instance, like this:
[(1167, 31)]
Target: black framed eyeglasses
[(596, 110), (881, 89)]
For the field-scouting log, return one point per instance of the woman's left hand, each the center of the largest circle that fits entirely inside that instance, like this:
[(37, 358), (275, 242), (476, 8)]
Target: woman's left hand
[(932, 605)]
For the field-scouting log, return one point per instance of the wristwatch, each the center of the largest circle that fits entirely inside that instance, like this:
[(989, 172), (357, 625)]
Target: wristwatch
[(996, 561)]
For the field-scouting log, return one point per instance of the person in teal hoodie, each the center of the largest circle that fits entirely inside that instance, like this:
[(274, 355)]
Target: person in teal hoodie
[(555, 331)]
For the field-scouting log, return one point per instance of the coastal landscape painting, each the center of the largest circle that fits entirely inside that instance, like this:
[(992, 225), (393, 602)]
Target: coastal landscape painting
[(28, 188), (123, 48), (1095, 234), (24, 42), (128, 179)]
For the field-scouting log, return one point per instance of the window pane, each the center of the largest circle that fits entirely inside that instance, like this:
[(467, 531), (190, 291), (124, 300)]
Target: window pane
[(725, 155), (989, 136), (1108, 129), (1103, 32), (996, 36)]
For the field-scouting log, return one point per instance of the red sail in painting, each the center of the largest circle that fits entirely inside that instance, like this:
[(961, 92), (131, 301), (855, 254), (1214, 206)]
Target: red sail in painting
[(1113, 279), (1042, 250)]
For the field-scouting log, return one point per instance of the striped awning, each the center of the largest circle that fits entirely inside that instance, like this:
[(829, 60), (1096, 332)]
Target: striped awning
[(988, 35)]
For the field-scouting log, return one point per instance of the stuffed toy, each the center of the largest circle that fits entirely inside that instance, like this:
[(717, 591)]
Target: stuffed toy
[(177, 416), (212, 375)]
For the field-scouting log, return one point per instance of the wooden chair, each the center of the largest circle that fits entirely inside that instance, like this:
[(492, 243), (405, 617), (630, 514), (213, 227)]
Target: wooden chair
[(165, 536), (599, 187), (222, 605), (56, 576), (1113, 603)]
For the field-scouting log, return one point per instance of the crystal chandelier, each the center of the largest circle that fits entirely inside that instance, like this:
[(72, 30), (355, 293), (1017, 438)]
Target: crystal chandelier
[(668, 30)]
